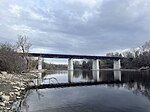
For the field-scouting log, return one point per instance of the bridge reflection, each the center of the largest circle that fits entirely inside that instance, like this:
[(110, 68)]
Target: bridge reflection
[(138, 80), (75, 78)]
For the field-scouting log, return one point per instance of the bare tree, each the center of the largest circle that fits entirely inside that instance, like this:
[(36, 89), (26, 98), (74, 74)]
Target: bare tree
[(146, 47), (23, 45)]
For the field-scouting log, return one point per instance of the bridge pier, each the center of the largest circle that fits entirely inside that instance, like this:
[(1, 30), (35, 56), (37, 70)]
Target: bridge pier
[(117, 64), (70, 64), (95, 65), (40, 63)]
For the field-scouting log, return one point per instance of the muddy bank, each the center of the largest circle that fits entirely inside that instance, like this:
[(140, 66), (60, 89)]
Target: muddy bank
[(13, 89)]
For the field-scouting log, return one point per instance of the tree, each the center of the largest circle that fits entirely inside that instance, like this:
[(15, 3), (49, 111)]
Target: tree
[(9, 61), (146, 46), (23, 45)]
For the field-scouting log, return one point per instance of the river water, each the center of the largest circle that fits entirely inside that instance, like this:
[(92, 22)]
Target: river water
[(132, 95)]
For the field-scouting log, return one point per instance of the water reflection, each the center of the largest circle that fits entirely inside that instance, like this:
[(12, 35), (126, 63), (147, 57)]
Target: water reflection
[(70, 76), (96, 75), (90, 76), (136, 81), (117, 75), (39, 80), (135, 86)]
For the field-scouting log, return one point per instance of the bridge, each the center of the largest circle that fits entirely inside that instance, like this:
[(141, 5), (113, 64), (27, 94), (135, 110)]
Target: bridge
[(95, 59)]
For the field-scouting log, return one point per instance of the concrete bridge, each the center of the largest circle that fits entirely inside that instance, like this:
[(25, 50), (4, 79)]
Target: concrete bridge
[(95, 65)]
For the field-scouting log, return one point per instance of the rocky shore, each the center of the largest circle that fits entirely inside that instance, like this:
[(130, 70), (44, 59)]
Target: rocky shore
[(13, 90)]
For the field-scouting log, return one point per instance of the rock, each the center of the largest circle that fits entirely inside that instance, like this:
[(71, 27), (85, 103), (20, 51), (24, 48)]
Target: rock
[(21, 84), (11, 94), (17, 93), (1, 75), (18, 97), (4, 72), (11, 101), (1, 93), (22, 88), (15, 87), (5, 97), (2, 104), (8, 108), (6, 102), (16, 90), (12, 83), (26, 80)]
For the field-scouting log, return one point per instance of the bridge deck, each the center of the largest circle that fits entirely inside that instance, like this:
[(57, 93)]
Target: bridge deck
[(44, 55)]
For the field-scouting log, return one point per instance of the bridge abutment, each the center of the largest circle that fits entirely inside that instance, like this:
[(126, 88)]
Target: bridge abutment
[(95, 64), (70, 64), (117, 64)]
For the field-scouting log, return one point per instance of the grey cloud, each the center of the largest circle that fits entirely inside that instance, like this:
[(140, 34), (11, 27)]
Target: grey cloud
[(76, 26)]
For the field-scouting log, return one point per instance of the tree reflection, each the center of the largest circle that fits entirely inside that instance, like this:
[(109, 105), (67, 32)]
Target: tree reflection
[(135, 81)]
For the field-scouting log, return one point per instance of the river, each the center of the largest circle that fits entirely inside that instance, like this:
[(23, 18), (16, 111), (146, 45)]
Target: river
[(132, 94)]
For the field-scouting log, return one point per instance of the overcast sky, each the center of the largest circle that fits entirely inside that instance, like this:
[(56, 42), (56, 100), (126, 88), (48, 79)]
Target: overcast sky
[(92, 27)]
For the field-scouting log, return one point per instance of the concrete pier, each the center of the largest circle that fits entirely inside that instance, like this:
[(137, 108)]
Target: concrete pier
[(40, 63), (117, 64), (95, 65), (70, 64)]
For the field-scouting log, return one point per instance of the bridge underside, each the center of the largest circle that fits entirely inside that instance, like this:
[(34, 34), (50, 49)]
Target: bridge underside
[(67, 56)]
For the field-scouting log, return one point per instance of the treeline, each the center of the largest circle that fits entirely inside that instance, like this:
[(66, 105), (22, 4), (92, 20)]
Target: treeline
[(134, 59), (85, 64), (50, 66), (47, 66)]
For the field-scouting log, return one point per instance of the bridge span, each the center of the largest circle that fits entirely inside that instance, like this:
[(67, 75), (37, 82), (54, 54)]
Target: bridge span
[(95, 65)]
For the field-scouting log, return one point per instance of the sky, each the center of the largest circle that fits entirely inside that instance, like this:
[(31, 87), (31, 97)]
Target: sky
[(93, 27)]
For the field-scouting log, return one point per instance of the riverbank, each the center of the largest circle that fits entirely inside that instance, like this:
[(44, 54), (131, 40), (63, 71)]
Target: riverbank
[(13, 89)]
